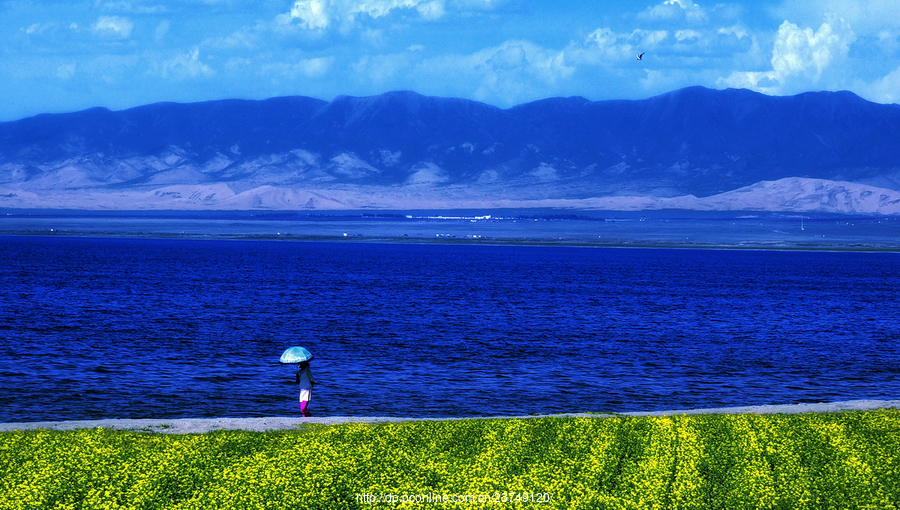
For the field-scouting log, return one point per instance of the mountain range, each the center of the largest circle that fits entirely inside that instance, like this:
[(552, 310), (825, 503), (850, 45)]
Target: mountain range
[(693, 148)]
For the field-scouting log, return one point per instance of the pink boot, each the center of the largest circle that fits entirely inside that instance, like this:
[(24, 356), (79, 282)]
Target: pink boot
[(303, 408)]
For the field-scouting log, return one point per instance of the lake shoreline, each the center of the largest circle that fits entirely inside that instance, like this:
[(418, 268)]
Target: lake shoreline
[(668, 229), (463, 241), (262, 424)]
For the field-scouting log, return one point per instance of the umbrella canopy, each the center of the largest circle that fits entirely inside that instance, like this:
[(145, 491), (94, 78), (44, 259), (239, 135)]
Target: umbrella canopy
[(295, 355)]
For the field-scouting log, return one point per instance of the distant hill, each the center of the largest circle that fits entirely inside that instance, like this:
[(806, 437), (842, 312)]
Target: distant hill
[(693, 148)]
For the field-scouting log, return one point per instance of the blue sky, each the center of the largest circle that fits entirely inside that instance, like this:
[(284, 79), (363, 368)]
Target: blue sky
[(58, 56)]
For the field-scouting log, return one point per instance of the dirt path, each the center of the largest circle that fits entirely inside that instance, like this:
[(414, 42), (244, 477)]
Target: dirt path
[(201, 425)]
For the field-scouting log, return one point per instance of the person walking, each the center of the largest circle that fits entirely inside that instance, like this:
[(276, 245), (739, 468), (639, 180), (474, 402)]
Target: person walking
[(306, 382)]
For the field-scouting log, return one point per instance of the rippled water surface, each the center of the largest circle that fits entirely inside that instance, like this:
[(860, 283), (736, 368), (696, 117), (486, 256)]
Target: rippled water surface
[(131, 328)]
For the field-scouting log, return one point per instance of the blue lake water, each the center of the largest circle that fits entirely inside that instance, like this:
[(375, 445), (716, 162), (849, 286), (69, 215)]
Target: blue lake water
[(99, 327), (591, 228)]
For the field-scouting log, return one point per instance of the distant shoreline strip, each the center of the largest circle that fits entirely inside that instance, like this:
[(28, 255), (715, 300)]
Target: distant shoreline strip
[(203, 425)]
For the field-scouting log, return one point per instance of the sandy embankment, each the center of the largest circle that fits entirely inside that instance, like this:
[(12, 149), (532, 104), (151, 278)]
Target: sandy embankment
[(201, 425)]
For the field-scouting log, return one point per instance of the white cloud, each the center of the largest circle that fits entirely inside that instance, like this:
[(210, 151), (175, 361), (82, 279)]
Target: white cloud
[(427, 173), (884, 90), (888, 40), (510, 73), (544, 173), (605, 45), (303, 68), (798, 52), (323, 14), (510, 56), (602, 45), (799, 58), (161, 30), (685, 35), (131, 7), (431, 10), (381, 8), (66, 71), (649, 38), (315, 67), (479, 4), (185, 66), (116, 26), (39, 28), (604, 37), (313, 14), (242, 39), (865, 16), (735, 30), (382, 68), (549, 66), (675, 10)]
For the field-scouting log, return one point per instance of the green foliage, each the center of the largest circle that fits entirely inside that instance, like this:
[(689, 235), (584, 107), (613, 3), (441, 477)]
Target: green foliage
[(832, 460)]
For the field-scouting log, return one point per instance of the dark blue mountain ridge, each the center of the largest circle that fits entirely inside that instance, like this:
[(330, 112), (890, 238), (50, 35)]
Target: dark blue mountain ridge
[(693, 141)]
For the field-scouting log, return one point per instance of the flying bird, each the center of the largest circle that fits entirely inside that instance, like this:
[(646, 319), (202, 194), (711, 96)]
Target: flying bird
[(640, 57)]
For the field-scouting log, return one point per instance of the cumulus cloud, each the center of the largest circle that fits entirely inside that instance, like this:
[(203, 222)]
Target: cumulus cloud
[(675, 10), (185, 66), (323, 14), (686, 35), (313, 14), (383, 68), (381, 8), (546, 65), (510, 56), (427, 173), (115, 26), (544, 173), (800, 56), (865, 16), (883, 90), (669, 48), (131, 7), (512, 72), (431, 10), (314, 67), (649, 38), (735, 30), (888, 41), (605, 44), (803, 51)]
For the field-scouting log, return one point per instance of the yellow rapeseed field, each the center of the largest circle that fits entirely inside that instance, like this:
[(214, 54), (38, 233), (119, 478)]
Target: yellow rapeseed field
[(814, 461)]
